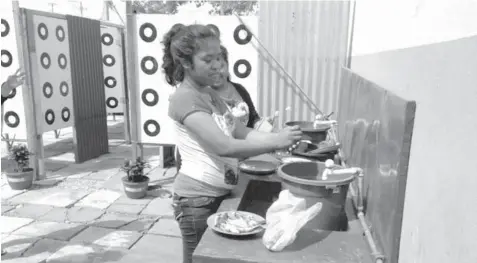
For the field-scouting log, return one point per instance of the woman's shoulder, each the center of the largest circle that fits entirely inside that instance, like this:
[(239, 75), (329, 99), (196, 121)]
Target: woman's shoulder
[(187, 97)]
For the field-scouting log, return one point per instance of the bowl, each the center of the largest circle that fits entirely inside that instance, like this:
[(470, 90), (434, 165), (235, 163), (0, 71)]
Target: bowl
[(310, 132)]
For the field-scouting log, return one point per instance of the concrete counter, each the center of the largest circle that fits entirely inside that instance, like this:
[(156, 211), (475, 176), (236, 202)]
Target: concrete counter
[(309, 246)]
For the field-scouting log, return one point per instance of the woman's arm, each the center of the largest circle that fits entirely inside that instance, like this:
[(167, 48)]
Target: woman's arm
[(204, 126), (243, 132)]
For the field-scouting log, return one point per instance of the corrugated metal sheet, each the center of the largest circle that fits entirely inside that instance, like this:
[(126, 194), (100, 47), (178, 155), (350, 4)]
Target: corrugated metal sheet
[(88, 93), (310, 40)]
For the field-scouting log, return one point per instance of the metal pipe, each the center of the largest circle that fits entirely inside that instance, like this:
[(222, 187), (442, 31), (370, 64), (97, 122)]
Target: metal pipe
[(351, 36), (318, 111), (357, 200)]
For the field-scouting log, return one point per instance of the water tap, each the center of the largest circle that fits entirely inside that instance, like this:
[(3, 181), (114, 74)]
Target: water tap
[(320, 120), (329, 165)]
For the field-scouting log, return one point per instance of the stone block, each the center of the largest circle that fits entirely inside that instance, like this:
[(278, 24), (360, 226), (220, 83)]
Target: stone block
[(77, 252), (43, 249), (110, 220), (159, 207), (7, 192), (167, 227), (168, 249), (142, 224), (107, 237), (16, 245), (59, 197), (10, 224), (128, 201), (75, 214), (6, 208), (99, 199), (126, 209), (30, 211), (51, 230)]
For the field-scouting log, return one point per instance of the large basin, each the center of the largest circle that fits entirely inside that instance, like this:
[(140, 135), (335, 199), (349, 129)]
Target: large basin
[(304, 180)]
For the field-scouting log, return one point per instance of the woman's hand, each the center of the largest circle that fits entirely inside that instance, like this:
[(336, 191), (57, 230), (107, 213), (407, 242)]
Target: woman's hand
[(288, 137), (13, 82), (16, 79)]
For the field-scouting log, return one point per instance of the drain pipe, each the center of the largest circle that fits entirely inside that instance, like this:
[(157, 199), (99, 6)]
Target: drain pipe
[(358, 203)]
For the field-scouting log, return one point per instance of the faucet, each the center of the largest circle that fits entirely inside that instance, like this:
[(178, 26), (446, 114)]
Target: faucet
[(330, 164)]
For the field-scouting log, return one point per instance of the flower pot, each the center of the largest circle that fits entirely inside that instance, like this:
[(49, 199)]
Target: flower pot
[(136, 190), (20, 180)]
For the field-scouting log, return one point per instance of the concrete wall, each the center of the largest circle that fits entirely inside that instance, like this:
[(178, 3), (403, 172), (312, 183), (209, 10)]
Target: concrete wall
[(440, 209), (430, 55), (393, 24)]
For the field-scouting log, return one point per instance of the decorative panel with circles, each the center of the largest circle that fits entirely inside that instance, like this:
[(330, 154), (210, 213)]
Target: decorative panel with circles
[(13, 111), (112, 48), (153, 91), (52, 79)]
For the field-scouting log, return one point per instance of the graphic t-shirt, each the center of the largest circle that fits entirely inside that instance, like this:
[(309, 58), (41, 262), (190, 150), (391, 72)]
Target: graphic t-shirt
[(198, 162), (238, 108)]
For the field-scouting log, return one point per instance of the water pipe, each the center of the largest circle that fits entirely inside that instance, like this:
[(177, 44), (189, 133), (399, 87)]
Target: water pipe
[(358, 203)]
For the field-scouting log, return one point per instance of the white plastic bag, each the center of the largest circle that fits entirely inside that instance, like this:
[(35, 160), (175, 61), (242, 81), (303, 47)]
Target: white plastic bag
[(285, 218)]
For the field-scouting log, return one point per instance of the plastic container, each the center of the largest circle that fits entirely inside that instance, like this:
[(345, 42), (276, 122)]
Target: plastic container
[(304, 180), (315, 135)]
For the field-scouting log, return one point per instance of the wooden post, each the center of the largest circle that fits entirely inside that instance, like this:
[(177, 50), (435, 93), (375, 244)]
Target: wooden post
[(125, 99), (34, 137), (131, 61)]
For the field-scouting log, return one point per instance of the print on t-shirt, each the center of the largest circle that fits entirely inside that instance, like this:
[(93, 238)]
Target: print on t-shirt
[(239, 110), (231, 177)]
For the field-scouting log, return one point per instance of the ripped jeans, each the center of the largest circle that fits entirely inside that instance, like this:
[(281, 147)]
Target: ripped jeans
[(191, 213)]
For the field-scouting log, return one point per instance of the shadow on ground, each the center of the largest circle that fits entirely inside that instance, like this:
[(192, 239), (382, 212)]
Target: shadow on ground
[(59, 250)]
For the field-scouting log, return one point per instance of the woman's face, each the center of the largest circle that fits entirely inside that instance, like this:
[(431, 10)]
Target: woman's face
[(207, 62), (224, 72)]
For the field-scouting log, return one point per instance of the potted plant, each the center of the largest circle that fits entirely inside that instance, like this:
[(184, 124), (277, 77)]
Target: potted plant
[(135, 182), (21, 176)]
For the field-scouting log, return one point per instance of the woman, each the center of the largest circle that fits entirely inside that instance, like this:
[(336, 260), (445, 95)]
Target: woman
[(208, 135), (237, 99), (12, 83)]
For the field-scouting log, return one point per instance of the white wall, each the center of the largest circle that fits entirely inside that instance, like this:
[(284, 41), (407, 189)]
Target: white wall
[(393, 24), (440, 213)]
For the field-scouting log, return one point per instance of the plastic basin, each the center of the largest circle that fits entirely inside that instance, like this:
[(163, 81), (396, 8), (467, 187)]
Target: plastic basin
[(304, 180)]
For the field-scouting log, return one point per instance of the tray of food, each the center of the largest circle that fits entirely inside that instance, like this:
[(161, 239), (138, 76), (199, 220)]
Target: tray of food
[(257, 167), (236, 223)]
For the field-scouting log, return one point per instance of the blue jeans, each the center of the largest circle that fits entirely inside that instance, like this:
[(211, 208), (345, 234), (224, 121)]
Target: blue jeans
[(192, 214)]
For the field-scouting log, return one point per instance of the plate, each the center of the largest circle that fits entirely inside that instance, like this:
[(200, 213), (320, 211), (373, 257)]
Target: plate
[(212, 220), (257, 167)]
